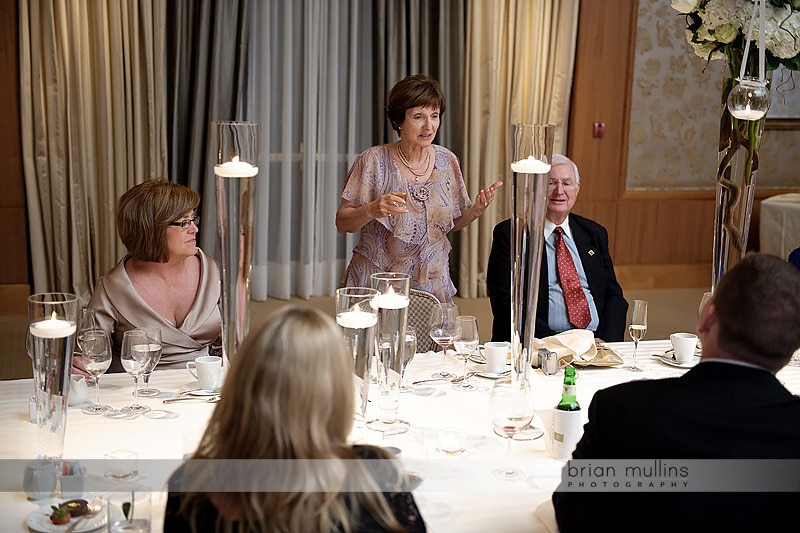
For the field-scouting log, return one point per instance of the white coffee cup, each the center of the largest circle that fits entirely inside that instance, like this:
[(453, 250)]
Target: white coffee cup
[(496, 354), (683, 345), (206, 369), (78, 390)]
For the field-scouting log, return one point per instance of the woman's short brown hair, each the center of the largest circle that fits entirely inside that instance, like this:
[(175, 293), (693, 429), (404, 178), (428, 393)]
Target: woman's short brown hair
[(144, 213), (413, 91)]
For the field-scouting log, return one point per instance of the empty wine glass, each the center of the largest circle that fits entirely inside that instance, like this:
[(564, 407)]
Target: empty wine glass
[(703, 301), (86, 322), (409, 350), (154, 334), (443, 328), (465, 343), (135, 357), (511, 408), (96, 358), (637, 329)]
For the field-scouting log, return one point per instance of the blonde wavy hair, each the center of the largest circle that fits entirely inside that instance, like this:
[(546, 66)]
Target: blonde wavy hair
[(289, 396)]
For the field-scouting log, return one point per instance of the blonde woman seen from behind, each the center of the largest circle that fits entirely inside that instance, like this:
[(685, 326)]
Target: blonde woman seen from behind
[(278, 444)]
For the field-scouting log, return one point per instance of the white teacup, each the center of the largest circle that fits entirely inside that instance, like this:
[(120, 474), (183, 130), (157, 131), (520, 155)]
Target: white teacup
[(683, 345), (496, 354), (206, 369), (78, 390)]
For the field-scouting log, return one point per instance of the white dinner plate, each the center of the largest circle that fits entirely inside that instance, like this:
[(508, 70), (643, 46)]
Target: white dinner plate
[(39, 522), (667, 359), (193, 389)]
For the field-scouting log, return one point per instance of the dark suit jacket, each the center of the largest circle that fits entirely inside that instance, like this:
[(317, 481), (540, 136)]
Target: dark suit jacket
[(591, 240), (715, 411)]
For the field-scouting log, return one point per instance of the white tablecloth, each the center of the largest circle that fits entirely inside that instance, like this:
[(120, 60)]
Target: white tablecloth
[(458, 493), (779, 226)]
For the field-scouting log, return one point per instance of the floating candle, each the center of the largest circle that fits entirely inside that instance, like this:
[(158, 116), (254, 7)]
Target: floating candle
[(392, 300), (53, 328), (235, 169), (356, 319), (531, 165), (748, 114)]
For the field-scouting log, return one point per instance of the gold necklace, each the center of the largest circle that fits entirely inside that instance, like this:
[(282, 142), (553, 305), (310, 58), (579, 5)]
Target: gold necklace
[(416, 171)]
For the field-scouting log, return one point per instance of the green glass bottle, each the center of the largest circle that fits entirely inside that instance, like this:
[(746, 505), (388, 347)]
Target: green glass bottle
[(569, 400)]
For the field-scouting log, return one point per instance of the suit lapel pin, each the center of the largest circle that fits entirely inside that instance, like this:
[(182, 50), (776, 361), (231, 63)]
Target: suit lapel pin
[(591, 252)]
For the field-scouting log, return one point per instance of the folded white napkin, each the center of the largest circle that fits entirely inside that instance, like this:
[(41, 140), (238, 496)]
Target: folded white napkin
[(578, 343)]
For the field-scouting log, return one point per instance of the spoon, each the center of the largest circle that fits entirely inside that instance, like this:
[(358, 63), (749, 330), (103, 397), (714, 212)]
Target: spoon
[(208, 399), (457, 379)]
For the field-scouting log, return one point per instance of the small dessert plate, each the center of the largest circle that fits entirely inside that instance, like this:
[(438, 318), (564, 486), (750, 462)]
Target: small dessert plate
[(482, 371), (39, 521)]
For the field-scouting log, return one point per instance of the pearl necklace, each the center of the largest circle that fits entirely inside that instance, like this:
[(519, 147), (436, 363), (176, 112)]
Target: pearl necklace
[(416, 171)]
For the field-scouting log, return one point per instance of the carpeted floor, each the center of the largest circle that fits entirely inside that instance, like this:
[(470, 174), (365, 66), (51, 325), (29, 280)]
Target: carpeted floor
[(669, 311)]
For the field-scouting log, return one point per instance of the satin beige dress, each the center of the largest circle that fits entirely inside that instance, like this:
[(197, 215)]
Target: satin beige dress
[(119, 308)]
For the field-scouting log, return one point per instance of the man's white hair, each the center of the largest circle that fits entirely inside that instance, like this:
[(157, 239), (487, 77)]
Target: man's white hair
[(560, 159)]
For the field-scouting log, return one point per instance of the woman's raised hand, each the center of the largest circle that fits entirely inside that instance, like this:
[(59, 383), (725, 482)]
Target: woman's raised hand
[(486, 196)]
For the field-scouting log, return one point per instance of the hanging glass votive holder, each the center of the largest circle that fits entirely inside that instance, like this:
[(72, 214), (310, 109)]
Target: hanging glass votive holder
[(750, 99)]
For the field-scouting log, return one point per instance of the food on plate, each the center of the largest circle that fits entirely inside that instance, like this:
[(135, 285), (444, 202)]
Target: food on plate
[(77, 507), (60, 515)]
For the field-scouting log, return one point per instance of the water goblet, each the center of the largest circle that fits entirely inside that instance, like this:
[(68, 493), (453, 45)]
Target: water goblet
[(409, 351), (637, 329), (154, 334), (96, 358), (443, 328), (135, 356), (465, 343), (511, 408)]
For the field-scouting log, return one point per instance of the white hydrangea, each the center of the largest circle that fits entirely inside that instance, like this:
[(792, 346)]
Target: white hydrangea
[(782, 26)]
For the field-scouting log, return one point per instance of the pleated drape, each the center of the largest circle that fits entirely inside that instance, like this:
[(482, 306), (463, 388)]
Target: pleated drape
[(92, 126)]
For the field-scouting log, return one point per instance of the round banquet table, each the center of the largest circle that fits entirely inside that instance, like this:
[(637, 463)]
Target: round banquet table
[(458, 493), (779, 226)]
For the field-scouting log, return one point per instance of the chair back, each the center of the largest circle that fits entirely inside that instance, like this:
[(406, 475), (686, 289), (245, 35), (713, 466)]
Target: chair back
[(419, 309)]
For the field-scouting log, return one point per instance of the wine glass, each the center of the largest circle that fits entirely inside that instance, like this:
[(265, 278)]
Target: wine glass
[(135, 356), (511, 408), (96, 358), (409, 350), (86, 322), (443, 328), (154, 334), (465, 343), (637, 329)]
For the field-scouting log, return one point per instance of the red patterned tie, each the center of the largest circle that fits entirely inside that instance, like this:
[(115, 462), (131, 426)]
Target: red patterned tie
[(577, 306)]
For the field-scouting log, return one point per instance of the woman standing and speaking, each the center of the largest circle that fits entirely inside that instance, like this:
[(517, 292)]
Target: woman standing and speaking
[(406, 196)]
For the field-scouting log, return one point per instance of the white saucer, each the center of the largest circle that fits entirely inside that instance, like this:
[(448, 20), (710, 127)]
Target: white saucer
[(193, 389), (39, 521), (482, 371), (477, 357), (668, 360)]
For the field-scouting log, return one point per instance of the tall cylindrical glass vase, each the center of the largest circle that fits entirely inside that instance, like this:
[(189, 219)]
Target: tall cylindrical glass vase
[(52, 319), (531, 156), (357, 314), (392, 302), (235, 169)]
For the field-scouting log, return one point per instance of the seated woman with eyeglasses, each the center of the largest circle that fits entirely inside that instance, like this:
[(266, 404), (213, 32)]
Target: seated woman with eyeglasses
[(275, 454), (165, 280)]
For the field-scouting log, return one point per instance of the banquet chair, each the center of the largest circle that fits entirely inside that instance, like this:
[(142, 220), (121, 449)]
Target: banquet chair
[(794, 257), (419, 309)]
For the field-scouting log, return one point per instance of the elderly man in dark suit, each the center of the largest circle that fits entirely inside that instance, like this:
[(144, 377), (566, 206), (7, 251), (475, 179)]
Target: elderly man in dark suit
[(605, 308), (729, 406)]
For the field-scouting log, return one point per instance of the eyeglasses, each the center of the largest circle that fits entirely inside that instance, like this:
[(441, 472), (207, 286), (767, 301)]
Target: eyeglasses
[(184, 224), (567, 185)]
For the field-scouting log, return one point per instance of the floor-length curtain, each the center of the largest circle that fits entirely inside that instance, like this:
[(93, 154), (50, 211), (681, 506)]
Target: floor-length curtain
[(519, 65), (92, 126), (210, 71)]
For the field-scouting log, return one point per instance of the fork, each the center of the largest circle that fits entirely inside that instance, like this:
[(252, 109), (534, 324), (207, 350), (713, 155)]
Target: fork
[(207, 399), (95, 506)]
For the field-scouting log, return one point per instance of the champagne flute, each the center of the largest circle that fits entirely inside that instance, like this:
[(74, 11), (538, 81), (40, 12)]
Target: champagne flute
[(134, 356), (465, 343), (637, 329), (442, 328), (409, 350), (511, 408), (154, 334), (96, 358)]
